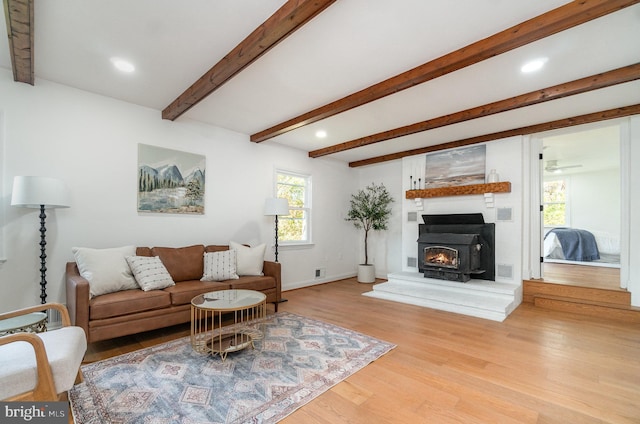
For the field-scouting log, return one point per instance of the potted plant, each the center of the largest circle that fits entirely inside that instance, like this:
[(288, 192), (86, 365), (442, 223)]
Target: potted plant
[(369, 210)]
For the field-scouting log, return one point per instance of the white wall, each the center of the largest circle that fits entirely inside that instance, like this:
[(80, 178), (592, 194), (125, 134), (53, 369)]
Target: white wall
[(633, 191), (91, 141), (595, 201), (384, 246), (506, 156)]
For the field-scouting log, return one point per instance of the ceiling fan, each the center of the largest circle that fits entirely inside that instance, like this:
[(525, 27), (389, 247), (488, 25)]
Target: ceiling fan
[(552, 166)]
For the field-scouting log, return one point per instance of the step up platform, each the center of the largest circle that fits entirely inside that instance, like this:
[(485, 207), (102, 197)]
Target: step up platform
[(479, 298)]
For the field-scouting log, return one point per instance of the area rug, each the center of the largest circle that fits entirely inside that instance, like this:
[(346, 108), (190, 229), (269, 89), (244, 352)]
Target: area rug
[(298, 359)]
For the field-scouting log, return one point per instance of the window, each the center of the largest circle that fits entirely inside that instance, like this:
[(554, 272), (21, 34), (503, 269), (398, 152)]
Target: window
[(294, 228), (555, 203)]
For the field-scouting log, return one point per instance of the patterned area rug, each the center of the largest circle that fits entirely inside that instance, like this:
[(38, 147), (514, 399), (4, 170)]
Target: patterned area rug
[(298, 359)]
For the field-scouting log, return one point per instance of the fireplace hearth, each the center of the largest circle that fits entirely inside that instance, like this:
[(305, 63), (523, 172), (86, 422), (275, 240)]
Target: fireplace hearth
[(456, 247)]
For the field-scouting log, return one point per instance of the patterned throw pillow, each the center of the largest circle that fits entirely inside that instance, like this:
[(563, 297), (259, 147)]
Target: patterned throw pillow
[(220, 266), (150, 272)]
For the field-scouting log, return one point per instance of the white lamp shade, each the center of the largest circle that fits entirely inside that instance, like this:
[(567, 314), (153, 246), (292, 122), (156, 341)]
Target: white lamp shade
[(276, 206), (32, 192)]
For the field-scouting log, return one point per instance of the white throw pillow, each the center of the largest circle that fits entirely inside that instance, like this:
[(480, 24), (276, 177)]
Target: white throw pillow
[(220, 266), (250, 259), (150, 272), (106, 270)]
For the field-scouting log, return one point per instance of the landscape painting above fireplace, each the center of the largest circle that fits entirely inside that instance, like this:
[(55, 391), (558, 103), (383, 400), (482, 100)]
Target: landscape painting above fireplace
[(457, 167)]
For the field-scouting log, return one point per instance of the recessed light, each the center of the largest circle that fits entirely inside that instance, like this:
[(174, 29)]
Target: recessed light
[(123, 65), (321, 133), (534, 65)]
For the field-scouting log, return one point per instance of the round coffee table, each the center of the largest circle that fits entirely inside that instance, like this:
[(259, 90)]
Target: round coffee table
[(209, 335)]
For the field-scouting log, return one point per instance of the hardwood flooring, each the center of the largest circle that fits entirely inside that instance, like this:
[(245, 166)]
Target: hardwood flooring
[(538, 366), (581, 275)]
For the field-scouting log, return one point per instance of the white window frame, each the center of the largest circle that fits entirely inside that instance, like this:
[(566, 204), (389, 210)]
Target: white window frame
[(306, 209), (567, 200)]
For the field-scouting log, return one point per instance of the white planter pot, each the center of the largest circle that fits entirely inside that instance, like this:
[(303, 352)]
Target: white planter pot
[(366, 273)]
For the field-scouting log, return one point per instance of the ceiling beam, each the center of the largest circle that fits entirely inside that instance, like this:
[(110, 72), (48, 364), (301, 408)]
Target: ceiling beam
[(583, 85), (284, 22), (549, 23), (532, 129), (19, 17)]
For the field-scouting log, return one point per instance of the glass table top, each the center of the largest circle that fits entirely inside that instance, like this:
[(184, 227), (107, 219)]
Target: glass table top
[(22, 321), (228, 299)]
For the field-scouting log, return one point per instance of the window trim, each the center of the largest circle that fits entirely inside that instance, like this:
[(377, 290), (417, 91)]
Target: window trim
[(567, 200), (307, 208)]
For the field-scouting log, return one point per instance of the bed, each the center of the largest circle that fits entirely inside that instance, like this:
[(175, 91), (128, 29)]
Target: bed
[(578, 245)]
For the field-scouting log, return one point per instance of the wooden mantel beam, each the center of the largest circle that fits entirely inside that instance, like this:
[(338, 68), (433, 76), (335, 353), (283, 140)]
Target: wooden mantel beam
[(284, 22), (583, 85), (562, 18), (532, 129), (19, 17)]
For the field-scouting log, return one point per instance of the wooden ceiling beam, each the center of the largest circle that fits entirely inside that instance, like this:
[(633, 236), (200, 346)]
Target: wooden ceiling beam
[(532, 129), (284, 22), (549, 23), (19, 17), (583, 85)]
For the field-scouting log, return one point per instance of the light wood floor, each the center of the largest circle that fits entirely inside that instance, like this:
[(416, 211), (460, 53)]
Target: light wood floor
[(538, 366), (581, 275)]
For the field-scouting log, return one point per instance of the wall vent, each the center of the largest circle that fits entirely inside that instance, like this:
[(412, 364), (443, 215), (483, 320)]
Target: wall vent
[(505, 271), (412, 262), (504, 214), (412, 216)]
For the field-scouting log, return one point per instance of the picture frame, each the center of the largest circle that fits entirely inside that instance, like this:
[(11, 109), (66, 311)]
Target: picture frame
[(170, 181), (456, 167)]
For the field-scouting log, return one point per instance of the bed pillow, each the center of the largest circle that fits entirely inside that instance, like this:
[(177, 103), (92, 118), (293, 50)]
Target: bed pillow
[(150, 272), (106, 270), (249, 259), (220, 266)]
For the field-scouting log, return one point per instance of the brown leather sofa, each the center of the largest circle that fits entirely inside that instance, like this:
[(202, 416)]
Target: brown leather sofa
[(134, 311)]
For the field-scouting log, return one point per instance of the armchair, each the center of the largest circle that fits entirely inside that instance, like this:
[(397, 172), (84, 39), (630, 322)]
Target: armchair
[(43, 366)]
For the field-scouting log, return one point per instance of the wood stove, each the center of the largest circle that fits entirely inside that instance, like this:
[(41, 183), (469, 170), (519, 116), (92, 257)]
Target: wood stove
[(456, 247)]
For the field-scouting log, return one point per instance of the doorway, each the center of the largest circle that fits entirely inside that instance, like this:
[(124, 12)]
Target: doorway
[(581, 222)]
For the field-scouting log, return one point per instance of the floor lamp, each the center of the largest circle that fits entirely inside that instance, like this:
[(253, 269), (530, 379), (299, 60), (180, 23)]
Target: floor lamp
[(40, 193), (275, 206)]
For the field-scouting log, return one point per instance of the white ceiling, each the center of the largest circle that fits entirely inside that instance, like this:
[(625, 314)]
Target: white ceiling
[(349, 46)]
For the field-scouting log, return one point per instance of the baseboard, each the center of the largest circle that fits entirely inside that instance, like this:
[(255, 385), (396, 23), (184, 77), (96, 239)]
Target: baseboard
[(316, 281)]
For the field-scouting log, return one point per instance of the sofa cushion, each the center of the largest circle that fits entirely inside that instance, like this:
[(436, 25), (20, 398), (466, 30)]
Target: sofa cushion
[(183, 263), (220, 266), (127, 302), (149, 272), (106, 270), (184, 291), (254, 283), (216, 248), (250, 259), (143, 251)]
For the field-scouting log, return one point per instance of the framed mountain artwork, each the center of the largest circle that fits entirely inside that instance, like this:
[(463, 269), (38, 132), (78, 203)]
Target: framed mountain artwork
[(170, 181)]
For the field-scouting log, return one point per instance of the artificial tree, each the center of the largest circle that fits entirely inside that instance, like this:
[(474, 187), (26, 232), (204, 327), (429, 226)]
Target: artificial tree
[(370, 210)]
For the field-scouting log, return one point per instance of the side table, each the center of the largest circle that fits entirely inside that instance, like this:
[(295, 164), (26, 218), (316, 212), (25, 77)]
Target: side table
[(208, 335), (35, 322)]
